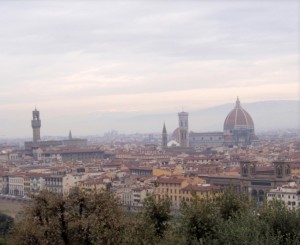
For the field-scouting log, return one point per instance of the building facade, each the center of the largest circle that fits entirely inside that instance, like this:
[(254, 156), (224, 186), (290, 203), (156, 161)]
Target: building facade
[(289, 194), (254, 181), (209, 139)]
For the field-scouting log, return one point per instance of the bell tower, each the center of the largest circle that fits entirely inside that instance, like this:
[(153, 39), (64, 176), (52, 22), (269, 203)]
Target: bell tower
[(36, 125), (183, 129)]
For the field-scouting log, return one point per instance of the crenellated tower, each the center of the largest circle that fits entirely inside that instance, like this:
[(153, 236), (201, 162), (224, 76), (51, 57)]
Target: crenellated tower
[(36, 125)]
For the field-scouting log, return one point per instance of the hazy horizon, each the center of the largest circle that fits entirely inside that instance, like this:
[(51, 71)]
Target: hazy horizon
[(103, 60), (280, 115)]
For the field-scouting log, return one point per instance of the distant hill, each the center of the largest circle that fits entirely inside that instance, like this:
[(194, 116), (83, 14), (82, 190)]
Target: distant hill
[(267, 115)]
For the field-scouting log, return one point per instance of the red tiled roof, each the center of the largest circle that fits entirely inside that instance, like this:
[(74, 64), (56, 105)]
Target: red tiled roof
[(169, 180), (199, 188), (140, 168)]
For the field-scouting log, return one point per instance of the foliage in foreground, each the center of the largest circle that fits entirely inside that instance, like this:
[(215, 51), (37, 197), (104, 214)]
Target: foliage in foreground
[(96, 218), (5, 224)]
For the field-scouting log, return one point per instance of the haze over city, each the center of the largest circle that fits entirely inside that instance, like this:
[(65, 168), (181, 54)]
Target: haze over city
[(82, 62), (150, 122)]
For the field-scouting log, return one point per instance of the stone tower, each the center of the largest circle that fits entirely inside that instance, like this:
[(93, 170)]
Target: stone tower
[(164, 137), (183, 129), (36, 125)]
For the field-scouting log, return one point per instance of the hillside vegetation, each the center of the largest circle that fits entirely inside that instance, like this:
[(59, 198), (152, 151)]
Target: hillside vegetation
[(96, 218)]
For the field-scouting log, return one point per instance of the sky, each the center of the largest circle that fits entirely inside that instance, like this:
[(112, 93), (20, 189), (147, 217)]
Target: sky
[(80, 61)]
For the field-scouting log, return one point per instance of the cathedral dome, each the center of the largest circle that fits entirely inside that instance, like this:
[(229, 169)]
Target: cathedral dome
[(237, 119)]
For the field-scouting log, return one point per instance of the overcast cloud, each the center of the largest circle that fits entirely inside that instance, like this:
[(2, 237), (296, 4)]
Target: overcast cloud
[(78, 58)]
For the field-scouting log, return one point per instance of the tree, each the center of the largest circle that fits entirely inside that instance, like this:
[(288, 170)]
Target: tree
[(82, 218), (151, 224), (284, 223), (245, 228), (199, 219), (95, 218), (157, 214), (232, 203), (6, 223)]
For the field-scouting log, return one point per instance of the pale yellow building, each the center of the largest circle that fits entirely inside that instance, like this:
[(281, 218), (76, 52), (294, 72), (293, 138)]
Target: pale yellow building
[(93, 184), (170, 187), (183, 189)]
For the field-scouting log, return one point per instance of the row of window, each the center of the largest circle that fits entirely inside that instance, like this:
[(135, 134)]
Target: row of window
[(175, 191), (166, 190), (13, 180), (281, 196), (293, 203)]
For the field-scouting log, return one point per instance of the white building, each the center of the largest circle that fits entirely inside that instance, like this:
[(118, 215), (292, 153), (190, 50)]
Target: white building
[(16, 185), (138, 196), (289, 194)]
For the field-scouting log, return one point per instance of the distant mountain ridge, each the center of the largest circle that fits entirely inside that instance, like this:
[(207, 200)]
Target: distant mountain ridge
[(267, 115)]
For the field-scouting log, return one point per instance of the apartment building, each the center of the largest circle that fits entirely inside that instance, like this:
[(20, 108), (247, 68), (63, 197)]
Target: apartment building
[(182, 189), (289, 194)]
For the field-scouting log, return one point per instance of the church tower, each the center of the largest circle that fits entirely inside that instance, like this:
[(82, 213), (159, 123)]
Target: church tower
[(36, 125), (70, 135), (183, 129), (164, 137)]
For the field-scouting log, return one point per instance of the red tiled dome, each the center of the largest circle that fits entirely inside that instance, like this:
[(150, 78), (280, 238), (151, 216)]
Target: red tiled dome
[(238, 118)]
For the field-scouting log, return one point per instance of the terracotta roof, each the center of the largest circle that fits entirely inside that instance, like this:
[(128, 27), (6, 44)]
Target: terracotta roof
[(141, 168), (169, 180), (93, 181), (62, 151), (199, 188)]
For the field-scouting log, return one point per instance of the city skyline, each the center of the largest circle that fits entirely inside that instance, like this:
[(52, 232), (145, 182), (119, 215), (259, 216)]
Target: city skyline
[(109, 59)]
